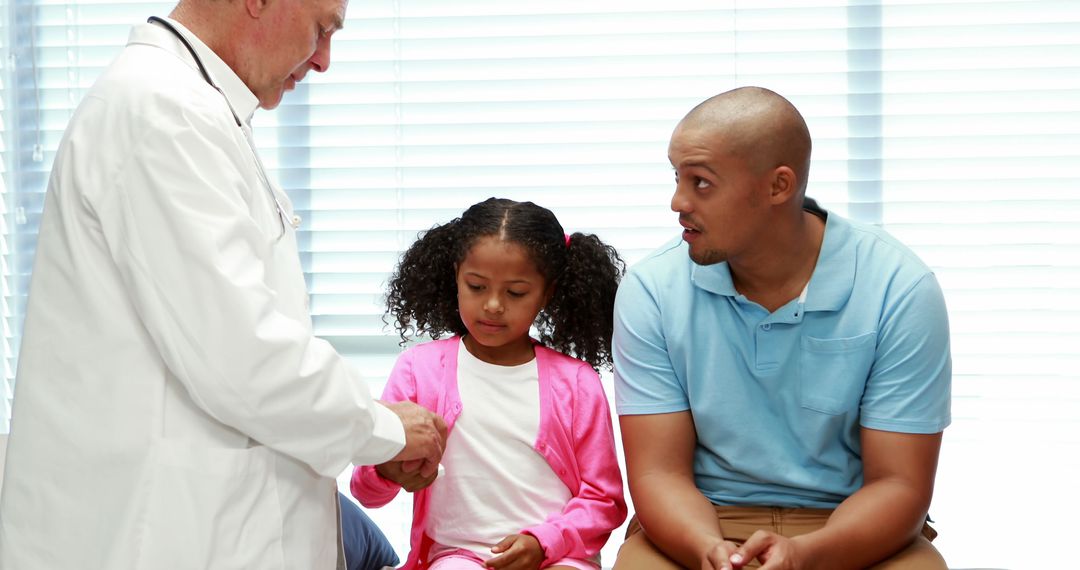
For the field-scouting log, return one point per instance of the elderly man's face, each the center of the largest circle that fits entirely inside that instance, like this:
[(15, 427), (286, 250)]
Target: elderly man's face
[(297, 41)]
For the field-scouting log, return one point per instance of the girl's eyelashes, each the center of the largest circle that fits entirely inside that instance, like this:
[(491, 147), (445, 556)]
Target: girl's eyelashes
[(515, 294)]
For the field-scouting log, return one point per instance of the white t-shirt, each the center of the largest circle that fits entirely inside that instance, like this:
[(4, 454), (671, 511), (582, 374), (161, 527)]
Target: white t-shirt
[(496, 483)]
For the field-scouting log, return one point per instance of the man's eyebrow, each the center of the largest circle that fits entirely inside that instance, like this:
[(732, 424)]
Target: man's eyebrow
[(693, 164), (337, 23)]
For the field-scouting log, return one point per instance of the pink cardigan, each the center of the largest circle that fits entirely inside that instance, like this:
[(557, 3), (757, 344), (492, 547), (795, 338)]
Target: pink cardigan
[(575, 438)]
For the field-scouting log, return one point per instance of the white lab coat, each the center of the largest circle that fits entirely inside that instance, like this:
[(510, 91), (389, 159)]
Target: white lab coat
[(172, 408)]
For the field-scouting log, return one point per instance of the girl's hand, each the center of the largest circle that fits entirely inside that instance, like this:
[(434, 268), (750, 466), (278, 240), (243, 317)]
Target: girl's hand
[(517, 552), (406, 473)]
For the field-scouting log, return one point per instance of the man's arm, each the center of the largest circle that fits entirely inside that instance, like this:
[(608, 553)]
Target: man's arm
[(676, 517), (889, 510), (659, 436), (876, 521), (216, 294)]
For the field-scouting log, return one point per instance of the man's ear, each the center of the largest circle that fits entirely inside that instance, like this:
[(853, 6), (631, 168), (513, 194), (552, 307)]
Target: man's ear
[(783, 186), (255, 8)]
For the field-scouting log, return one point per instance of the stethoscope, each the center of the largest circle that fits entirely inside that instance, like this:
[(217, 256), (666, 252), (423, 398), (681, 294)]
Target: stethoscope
[(282, 216)]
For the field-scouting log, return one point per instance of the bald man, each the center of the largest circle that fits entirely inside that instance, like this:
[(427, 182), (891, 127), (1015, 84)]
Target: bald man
[(782, 375)]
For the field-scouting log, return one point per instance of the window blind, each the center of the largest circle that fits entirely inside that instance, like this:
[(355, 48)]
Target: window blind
[(953, 124), (980, 143), (5, 174)]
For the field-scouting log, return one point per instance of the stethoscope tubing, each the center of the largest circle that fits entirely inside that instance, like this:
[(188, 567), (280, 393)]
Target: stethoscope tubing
[(206, 76)]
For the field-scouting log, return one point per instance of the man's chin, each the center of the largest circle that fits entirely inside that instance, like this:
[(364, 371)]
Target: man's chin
[(271, 102), (707, 257)]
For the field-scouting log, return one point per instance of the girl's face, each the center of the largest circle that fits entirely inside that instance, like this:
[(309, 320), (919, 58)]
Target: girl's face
[(500, 292)]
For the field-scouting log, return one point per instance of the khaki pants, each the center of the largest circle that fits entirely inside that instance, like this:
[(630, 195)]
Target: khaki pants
[(738, 523)]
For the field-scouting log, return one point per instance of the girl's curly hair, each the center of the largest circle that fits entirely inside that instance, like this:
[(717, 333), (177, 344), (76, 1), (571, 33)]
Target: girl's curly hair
[(422, 295)]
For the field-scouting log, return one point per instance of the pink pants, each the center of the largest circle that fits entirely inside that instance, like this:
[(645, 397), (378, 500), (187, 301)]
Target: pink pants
[(460, 559)]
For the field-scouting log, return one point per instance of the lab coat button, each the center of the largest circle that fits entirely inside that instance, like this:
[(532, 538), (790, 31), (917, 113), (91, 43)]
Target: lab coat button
[(295, 222)]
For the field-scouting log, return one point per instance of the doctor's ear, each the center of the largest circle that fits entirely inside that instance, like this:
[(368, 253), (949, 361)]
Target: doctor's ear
[(255, 8)]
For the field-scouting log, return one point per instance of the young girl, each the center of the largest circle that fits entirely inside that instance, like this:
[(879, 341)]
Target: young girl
[(531, 479)]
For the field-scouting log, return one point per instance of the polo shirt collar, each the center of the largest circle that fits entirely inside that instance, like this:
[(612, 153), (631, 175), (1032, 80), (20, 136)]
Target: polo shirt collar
[(834, 275), (715, 278), (830, 285)]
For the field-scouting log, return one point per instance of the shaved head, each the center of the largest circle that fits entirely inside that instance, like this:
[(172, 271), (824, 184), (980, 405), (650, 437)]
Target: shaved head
[(757, 125)]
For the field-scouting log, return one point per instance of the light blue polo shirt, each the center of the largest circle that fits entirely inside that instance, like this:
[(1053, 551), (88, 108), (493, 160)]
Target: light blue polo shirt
[(778, 399)]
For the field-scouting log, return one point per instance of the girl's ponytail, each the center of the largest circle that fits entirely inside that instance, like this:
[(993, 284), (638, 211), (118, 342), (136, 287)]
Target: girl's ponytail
[(579, 316), (422, 293)]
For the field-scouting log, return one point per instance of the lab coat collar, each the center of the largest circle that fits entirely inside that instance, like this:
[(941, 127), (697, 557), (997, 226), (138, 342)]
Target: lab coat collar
[(240, 98)]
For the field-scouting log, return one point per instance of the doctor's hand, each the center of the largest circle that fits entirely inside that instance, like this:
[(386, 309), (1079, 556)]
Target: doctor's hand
[(425, 437), (405, 473)]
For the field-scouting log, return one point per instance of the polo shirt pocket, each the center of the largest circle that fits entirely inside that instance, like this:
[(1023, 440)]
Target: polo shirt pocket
[(833, 372)]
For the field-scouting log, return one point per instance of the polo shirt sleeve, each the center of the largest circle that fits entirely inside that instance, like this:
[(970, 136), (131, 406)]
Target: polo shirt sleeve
[(910, 384), (645, 381)]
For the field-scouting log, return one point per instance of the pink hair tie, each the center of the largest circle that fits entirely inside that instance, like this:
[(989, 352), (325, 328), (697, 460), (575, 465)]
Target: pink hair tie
[(567, 238)]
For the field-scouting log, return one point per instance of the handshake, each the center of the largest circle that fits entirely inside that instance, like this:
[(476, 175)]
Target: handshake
[(417, 465)]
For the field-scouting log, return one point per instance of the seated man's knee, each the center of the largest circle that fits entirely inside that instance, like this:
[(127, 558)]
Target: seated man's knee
[(365, 545), (639, 553), (919, 555)]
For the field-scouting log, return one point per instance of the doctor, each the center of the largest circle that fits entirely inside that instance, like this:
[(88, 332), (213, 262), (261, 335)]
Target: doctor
[(173, 409)]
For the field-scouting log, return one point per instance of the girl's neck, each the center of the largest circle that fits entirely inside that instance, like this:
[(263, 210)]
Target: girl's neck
[(513, 354)]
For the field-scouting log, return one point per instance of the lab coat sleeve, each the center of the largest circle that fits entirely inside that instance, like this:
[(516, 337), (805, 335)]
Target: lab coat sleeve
[(370, 488), (182, 226)]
